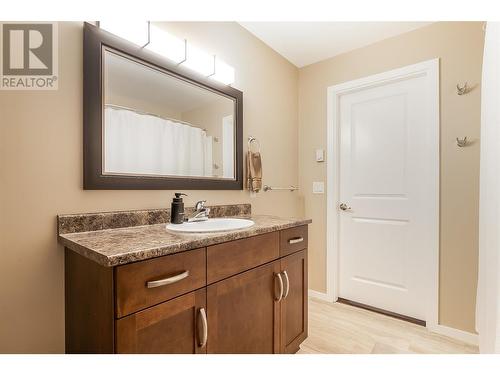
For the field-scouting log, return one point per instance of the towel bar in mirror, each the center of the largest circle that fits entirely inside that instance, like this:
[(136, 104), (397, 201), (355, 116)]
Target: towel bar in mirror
[(273, 188)]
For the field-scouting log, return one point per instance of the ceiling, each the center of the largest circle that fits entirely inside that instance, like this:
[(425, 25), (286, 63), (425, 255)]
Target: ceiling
[(304, 43)]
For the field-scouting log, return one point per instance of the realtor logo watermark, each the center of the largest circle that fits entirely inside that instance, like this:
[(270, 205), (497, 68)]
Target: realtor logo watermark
[(29, 58)]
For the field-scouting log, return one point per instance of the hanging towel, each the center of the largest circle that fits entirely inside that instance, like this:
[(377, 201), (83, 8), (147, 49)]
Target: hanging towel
[(254, 171)]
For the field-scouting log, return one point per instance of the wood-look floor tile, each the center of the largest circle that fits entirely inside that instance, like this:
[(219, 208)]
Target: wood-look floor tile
[(336, 328)]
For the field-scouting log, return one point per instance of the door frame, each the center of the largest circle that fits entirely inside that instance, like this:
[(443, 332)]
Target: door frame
[(430, 69)]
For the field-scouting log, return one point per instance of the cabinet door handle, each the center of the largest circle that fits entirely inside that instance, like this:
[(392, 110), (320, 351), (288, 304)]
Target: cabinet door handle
[(280, 281), (204, 323), (292, 241), (168, 280), (287, 289)]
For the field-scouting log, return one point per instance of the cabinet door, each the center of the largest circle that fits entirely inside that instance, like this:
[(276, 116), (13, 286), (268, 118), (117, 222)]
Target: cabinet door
[(176, 326), (243, 314), (294, 302)]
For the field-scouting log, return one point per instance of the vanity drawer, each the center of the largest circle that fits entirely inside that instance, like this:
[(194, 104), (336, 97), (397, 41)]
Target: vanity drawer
[(293, 239), (233, 257), (143, 284)]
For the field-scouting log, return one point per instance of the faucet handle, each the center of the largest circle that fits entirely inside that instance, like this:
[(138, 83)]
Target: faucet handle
[(199, 205)]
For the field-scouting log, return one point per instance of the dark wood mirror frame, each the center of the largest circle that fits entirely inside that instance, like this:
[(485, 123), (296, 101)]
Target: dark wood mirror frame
[(94, 39)]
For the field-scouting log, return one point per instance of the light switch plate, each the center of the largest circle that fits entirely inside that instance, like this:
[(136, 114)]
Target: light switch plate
[(318, 187), (320, 155)]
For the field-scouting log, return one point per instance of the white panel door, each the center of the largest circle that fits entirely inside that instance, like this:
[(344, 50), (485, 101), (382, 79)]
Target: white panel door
[(387, 172)]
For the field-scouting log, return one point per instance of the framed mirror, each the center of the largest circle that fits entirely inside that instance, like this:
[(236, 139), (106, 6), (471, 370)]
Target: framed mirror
[(151, 124)]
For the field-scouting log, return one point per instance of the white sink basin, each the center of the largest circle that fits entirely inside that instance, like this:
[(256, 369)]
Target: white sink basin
[(211, 225)]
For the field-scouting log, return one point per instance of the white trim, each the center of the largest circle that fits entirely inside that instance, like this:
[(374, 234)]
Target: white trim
[(319, 295), (467, 337), (430, 69)]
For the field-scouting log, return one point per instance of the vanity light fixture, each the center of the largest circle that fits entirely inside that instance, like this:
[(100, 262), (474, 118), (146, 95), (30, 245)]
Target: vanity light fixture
[(167, 45), (223, 72), (153, 38), (213, 72), (136, 32), (199, 60)]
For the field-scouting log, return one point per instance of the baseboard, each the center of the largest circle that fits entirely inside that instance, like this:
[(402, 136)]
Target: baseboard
[(467, 337), (319, 295)]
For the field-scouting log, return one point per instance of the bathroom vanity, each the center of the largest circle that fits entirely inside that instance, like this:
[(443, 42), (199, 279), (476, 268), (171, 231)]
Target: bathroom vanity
[(133, 287)]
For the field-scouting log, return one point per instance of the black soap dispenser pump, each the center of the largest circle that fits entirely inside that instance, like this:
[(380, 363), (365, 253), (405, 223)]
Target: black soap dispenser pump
[(177, 209)]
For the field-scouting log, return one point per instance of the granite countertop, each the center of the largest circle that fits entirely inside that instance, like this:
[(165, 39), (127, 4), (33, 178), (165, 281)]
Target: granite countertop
[(116, 246)]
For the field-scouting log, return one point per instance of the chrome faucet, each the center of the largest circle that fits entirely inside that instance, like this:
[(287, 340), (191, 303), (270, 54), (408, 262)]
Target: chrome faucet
[(201, 212)]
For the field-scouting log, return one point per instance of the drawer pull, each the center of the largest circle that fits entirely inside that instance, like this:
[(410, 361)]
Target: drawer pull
[(287, 289), (280, 281), (295, 240), (204, 323), (168, 280)]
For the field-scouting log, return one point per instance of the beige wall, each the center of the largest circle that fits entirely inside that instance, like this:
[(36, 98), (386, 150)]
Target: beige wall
[(459, 45), (41, 172)]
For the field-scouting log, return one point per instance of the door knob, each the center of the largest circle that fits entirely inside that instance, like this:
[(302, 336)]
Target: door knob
[(344, 207)]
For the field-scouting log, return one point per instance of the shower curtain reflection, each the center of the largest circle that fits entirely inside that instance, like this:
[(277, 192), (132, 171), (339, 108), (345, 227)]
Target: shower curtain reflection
[(143, 144)]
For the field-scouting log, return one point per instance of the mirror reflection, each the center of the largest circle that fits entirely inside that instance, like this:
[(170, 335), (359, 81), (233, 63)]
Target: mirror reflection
[(160, 125)]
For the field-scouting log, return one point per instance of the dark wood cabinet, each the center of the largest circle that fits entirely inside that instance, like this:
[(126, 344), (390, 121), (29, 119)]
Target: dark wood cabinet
[(243, 314), (229, 258), (135, 288), (294, 302), (177, 326), (293, 239), (243, 296)]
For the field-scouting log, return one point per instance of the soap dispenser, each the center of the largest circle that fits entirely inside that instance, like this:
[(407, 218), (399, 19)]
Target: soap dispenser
[(177, 209)]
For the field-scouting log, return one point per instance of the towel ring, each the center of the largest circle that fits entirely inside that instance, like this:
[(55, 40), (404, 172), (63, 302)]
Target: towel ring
[(253, 140)]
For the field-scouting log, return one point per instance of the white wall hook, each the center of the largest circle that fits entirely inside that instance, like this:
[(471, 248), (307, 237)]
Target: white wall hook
[(462, 142), (462, 90)]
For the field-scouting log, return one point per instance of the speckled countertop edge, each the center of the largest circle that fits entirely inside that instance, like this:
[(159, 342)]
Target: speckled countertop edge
[(113, 247), (93, 221)]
